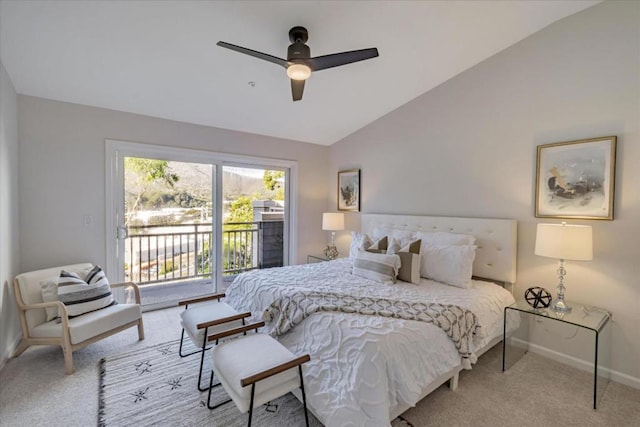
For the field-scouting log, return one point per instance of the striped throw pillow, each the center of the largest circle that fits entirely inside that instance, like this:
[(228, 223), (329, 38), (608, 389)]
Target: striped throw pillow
[(382, 268), (81, 296)]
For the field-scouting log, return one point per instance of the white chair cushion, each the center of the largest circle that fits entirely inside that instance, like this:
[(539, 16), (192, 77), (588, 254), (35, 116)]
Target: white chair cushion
[(31, 291), (90, 324), (193, 316), (248, 355)]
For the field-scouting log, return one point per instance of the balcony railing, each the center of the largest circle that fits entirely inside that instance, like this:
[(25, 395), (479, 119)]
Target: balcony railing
[(162, 253)]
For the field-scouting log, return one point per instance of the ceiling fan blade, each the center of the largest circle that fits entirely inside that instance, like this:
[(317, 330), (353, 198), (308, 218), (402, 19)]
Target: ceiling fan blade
[(336, 59), (297, 87), (279, 61)]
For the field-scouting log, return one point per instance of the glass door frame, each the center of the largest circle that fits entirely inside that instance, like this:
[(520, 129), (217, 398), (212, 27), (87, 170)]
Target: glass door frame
[(116, 151)]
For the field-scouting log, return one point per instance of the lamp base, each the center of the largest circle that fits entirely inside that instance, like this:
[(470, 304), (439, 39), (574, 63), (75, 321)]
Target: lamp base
[(558, 305), (331, 252)]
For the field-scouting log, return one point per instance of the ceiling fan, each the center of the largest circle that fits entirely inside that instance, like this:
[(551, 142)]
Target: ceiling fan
[(299, 63)]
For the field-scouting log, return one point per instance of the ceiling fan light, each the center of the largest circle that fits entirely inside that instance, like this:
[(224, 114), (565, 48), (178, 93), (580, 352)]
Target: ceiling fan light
[(298, 72)]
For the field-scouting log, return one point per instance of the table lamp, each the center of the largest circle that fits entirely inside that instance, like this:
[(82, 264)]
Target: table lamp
[(564, 242), (332, 222)]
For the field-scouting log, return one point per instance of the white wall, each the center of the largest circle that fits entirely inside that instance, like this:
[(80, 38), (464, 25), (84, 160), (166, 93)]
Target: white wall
[(468, 148), (62, 174), (9, 246)]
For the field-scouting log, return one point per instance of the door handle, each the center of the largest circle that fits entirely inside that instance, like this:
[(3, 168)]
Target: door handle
[(122, 232)]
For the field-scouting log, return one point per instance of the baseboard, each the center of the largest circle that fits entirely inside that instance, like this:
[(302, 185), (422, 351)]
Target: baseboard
[(616, 376)]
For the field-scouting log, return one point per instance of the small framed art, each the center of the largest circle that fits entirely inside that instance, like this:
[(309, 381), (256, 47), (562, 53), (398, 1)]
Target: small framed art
[(575, 179), (349, 190)]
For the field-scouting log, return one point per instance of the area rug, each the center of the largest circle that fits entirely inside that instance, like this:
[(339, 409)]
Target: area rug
[(154, 386)]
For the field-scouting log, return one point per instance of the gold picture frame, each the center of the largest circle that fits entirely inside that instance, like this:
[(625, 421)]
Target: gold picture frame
[(349, 190), (576, 179)]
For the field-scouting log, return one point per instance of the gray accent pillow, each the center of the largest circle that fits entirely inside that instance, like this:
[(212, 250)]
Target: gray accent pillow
[(409, 258), (382, 268), (380, 246)]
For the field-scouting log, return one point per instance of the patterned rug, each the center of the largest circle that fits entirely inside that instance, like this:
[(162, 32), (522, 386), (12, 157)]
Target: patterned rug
[(156, 387)]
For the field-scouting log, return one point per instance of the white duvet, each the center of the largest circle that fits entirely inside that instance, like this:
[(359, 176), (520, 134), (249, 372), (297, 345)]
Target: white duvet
[(362, 366)]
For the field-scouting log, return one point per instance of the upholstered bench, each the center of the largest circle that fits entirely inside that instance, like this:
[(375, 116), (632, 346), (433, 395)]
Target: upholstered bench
[(207, 315), (255, 369)]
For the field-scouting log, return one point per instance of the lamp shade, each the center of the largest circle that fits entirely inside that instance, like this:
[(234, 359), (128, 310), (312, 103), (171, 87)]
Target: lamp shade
[(563, 241), (333, 221)]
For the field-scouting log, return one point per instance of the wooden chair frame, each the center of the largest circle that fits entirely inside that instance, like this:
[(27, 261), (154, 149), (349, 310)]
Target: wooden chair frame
[(65, 340)]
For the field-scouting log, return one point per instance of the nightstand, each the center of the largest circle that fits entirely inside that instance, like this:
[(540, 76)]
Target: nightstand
[(588, 328), (316, 258)]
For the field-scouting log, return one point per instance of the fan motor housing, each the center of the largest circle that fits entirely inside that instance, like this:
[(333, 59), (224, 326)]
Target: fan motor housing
[(298, 51)]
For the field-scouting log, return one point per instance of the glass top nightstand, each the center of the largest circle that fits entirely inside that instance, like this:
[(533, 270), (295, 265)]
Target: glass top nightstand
[(524, 324), (317, 258)]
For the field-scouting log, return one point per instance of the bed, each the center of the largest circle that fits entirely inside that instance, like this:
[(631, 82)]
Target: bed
[(365, 369)]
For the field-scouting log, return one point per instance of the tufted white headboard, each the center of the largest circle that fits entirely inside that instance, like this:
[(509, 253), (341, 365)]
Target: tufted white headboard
[(496, 238)]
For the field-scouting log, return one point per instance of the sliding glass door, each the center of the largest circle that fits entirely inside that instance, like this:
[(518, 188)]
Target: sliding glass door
[(167, 233), (182, 223), (253, 219)]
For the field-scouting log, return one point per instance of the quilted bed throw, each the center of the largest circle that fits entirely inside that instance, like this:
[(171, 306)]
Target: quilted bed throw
[(458, 323)]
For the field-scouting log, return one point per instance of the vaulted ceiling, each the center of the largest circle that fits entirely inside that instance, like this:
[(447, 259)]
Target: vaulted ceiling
[(159, 58)]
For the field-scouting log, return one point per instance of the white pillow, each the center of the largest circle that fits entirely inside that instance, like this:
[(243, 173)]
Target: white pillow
[(49, 290), (452, 265), (403, 236), (382, 268), (359, 241), (444, 238)]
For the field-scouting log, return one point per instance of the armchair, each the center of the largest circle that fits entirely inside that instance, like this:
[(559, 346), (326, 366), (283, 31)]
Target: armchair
[(73, 333)]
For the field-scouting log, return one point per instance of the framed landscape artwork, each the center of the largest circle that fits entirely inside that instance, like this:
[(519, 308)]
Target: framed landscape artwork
[(349, 190), (575, 179)]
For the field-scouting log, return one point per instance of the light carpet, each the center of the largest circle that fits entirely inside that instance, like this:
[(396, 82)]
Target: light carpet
[(534, 392), (154, 386)]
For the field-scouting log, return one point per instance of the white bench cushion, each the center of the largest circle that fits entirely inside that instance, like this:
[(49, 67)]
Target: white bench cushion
[(191, 317), (90, 324), (248, 355)]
